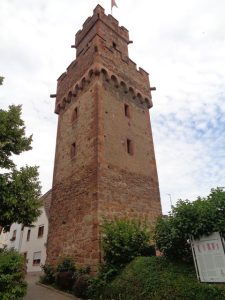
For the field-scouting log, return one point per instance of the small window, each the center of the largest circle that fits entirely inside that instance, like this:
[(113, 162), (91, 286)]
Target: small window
[(40, 231), (37, 258), (127, 110), (28, 235), (69, 97), (130, 149), (73, 150), (13, 236), (114, 45), (74, 114)]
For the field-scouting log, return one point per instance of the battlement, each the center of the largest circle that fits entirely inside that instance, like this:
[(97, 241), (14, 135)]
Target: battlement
[(106, 24)]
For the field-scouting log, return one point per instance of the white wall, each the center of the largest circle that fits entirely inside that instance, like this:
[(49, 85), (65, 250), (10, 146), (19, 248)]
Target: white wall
[(35, 244), (4, 239), (16, 243)]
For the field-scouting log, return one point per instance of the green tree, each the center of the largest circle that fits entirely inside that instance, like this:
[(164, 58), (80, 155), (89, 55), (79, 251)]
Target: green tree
[(19, 189), (1, 80), (190, 219)]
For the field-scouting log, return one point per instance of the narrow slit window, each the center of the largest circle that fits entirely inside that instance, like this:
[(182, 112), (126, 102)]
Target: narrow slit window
[(127, 110), (130, 149), (73, 150), (114, 45), (75, 114)]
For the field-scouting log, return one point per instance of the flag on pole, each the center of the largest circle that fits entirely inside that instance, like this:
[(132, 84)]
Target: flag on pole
[(113, 3)]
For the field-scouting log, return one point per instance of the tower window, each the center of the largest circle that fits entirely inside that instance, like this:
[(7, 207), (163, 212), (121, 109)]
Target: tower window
[(74, 114), (130, 148), (114, 45), (127, 110), (73, 150)]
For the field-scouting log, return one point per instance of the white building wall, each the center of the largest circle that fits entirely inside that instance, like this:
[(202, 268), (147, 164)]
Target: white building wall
[(35, 243), (14, 243), (4, 239)]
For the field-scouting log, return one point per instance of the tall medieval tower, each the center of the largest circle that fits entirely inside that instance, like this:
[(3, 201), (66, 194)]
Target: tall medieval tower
[(104, 162)]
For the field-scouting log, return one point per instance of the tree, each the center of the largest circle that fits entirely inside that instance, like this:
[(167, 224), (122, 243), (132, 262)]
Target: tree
[(1, 80), (201, 217), (19, 189)]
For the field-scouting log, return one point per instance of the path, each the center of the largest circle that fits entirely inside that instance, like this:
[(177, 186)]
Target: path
[(37, 292)]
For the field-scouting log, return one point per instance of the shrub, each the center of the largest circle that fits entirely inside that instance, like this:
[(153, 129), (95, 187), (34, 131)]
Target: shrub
[(123, 240), (201, 217), (12, 274), (156, 278), (80, 287), (65, 274), (65, 280), (49, 274), (67, 264)]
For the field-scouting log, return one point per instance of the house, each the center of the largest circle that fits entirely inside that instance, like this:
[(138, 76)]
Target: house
[(30, 241)]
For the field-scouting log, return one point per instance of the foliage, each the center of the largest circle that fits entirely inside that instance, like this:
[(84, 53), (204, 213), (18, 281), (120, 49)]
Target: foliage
[(67, 264), (123, 240), (12, 273), (155, 278), (201, 217), (66, 276), (81, 285), (1, 80), (20, 189), (49, 274)]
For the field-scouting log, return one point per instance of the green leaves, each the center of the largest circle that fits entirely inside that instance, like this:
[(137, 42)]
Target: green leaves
[(19, 195), (123, 240), (12, 136), (201, 217), (12, 273), (19, 189), (1, 80)]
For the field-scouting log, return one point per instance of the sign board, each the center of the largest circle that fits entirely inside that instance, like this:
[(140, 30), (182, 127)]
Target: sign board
[(209, 258)]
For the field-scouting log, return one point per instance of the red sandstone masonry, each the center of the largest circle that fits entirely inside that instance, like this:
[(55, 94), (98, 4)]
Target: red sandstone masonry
[(102, 179)]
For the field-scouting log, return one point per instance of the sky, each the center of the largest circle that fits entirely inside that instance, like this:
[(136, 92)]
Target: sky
[(180, 43)]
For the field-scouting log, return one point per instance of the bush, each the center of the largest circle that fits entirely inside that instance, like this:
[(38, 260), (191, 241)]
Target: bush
[(123, 240), (201, 217), (65, 274), (81, 285), (12, 275), (49, 274), (67, 264), (155, 278), (65, 280)]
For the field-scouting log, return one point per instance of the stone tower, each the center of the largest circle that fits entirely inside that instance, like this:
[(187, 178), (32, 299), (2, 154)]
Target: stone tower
[(104, 162)]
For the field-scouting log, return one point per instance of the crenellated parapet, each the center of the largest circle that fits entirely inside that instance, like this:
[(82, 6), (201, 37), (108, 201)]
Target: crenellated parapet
[(105, 23), (97, 71), (102, 41)]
